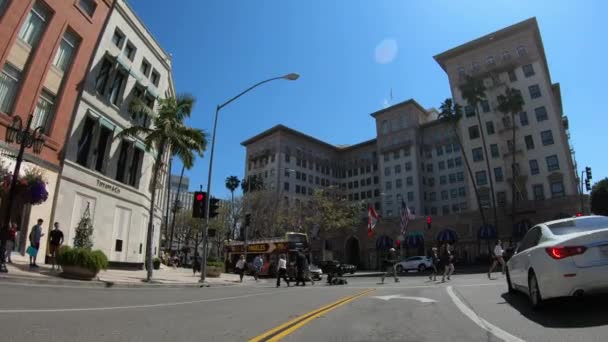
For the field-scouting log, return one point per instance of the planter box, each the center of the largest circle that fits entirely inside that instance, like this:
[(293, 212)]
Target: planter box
[(213, 271), (77, 272)]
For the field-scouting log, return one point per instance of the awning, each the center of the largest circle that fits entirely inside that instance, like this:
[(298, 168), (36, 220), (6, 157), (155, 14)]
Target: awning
[(140, 145), (384, 242), (106, 123), (487, 232), (414, 239), (521, 228), (447, 235), (121, 62)]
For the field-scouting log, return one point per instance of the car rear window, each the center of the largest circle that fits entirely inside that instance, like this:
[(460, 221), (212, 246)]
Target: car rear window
[(578, 225)]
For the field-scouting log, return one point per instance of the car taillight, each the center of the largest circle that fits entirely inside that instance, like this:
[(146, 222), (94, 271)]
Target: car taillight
[(564, 252)]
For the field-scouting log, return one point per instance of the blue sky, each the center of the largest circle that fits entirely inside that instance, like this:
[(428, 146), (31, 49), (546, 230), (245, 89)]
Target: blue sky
[(221, 47)]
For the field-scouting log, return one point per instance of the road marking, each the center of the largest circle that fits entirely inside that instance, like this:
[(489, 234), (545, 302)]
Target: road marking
[(436, 286), (143, 306), (276, 334), (420, 299), (494, 330)]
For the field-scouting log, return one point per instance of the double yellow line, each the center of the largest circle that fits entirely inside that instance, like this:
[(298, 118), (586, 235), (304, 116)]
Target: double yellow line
[(287, 328)]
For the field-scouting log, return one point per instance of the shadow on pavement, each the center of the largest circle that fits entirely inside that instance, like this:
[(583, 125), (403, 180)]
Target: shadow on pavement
[(568, 312)]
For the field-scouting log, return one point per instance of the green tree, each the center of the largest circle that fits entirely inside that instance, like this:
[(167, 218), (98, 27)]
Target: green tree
[(599, 198), (252, 183), (452, 113), (168, 133), (232, 183), (84, 231), (511, 103), (474, 92)]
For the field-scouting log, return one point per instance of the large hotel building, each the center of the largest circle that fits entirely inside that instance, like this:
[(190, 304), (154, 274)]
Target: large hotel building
[(416, 158)]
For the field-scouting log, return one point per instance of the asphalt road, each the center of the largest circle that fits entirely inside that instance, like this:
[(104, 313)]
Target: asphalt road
[(467, 308)]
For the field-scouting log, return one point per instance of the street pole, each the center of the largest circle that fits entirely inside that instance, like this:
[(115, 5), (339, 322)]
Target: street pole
[(290, 77), (582, 194)]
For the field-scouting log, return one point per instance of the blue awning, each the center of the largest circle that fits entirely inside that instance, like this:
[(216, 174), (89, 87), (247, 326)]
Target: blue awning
[(447, 235), (521, 228), (384, 242), (487, 232), (414, 239)]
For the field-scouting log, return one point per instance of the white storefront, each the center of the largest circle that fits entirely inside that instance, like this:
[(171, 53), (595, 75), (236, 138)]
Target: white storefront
[(111, 176)]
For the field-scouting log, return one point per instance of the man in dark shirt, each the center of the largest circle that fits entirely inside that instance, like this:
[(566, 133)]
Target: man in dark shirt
[(56, 240)]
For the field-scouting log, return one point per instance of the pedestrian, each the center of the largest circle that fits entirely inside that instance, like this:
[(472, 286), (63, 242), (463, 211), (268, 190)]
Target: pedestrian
[(434, 264), (258, 262), (389, 264), (240, 266), (448, 262), (302, 268), (56, 237), (497, 258), (282, 270), (35, 235), (196, 264), (10, 242)]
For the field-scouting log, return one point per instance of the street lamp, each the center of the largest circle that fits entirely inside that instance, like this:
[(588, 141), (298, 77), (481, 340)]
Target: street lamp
[(26, 138), (289, 77)]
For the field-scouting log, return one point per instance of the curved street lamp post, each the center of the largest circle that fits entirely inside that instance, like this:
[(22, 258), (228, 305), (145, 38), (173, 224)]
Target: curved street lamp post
[(26, 138), (289, 77)]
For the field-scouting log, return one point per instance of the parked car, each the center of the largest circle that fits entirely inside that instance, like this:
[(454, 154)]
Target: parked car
[(333, 266), (315, 272), (567, 257), (420, 263)]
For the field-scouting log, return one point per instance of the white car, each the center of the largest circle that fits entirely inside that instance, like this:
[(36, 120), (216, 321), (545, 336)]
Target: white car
[(567, 257), (420, 263)]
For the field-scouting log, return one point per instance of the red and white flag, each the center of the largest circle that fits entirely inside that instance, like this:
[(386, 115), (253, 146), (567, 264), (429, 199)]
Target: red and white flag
[(372, 219)]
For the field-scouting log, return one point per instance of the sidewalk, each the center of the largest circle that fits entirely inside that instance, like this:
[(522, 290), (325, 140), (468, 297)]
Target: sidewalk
[(20, 272)]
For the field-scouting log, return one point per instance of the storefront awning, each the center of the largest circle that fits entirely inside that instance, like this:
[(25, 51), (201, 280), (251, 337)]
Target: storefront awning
[(414, 239), (487, 232), (106, 123), (384, 242), (447, 235)]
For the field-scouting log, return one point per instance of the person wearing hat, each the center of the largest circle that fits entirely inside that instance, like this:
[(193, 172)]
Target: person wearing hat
[(389, 263)]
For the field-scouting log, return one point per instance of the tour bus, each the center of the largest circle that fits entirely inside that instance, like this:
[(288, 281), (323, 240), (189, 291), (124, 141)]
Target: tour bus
[(270, 249)]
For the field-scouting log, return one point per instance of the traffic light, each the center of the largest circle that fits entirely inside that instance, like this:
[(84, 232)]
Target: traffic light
[(429, 220), (214, 205), (199, 204), (588, 171), (588, 184), (579, 214)]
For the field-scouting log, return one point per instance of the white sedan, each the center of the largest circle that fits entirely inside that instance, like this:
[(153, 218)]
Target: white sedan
[(567, 257), (420, 263)]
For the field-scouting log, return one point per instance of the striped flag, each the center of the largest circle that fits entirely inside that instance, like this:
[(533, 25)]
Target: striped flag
[(406, 216), (372, 219)]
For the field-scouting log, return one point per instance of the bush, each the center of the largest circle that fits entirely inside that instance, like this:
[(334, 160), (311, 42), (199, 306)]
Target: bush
[(156, 263), (218, 264), (94, 261)]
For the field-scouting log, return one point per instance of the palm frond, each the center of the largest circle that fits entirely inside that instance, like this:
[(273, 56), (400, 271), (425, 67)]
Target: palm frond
[(133, 131)]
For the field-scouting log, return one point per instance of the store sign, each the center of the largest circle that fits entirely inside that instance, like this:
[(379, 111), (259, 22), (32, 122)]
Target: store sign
[(259, 248), (107, 186)]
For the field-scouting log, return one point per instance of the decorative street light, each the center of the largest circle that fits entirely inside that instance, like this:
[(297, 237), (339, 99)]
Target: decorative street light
[(25, 138), (289, 77)]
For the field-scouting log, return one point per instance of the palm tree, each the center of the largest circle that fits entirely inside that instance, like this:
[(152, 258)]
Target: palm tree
[(168, 132), (452, 113), (511, 102), (474, 92), (232, 183)]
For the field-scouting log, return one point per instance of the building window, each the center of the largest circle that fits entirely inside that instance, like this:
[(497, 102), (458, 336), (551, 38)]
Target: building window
[(557, 189), (512, 75), (453, 193), (397, 169), (528, 70), (541, 114), (3, 4), (473, 132), (118, 38), (539, 192), (461, 72), (475, 66), (429, 167), (490, 61), (155, 78), (287, 158), (485, 106), (409, 180), (385, 127), (309, 191), (448, 148), (506, 55), (494, 151), (458, 161), (135, 167), (88, 6), (452, 177), (431, 181), (122, 161), (65, 53), (552, 163), (442, 165), (398, 183), (396, 154), (439, 150), (481, 178), (498, 176), (442, 180), (490, 127), (408, 166), (523, 118), (534, 170), (116, 88), (445, 210), (460, 176), (145, 67), (477, 154), (469, 111), (376, 179), (286, 186), (118, 245), (43, 114), (534, 91), (35, 24), (84, 143), (450, 163), (546, 137), (462, 192), (387, 171), (529, 142), (444, 195), (521, 51), (388, 185), (105, 137), (9, 85)]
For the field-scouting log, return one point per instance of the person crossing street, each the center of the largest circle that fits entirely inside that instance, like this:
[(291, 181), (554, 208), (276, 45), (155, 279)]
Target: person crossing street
[(389, 264), (282, 271), (498, 259), (258, 262)]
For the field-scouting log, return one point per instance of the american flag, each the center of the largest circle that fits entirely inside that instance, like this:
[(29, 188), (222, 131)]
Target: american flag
[(406, 216)]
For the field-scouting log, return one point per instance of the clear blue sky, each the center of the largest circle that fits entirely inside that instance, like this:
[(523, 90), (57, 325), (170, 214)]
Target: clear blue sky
[(220, 47)]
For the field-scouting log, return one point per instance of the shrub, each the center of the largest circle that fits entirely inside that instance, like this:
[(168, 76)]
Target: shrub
[(92, 260), (156, 263), (216, 264)]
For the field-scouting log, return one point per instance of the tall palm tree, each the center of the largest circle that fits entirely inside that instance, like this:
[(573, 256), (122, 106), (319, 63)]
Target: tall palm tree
[(452, 113), (168, 132), (511, 102), (474, 92), (232, 183), (176, 202)]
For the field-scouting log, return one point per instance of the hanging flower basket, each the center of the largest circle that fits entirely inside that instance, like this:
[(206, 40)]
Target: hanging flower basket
[(31, 188)]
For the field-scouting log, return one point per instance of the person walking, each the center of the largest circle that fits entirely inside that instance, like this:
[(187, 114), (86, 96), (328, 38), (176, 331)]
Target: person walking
[(498, 258), (196, 264), (56, 240), (35, 235), (389, 264), (10, 242), (282, 271), (240, 266), (434, 264), (258, 262), (447, 259)]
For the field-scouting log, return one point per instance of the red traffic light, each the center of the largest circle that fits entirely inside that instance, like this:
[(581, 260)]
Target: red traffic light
[(579, 214), (200, 197), (429, 220)]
